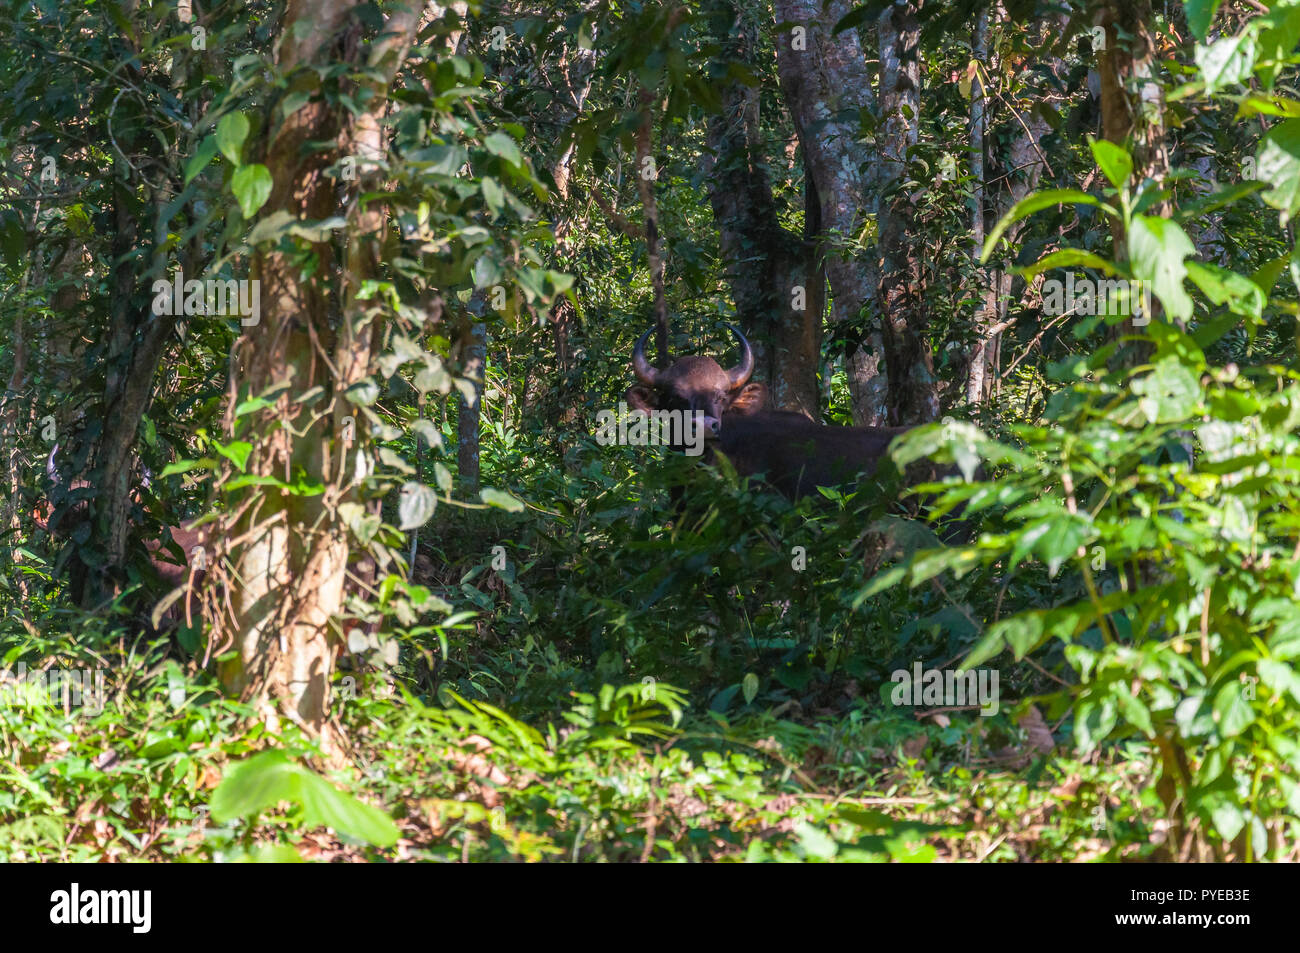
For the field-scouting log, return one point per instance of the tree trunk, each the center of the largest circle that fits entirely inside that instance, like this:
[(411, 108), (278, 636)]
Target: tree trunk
[(827, 88), (647, 173), (290, 552), (913, 394), (987, 309), (136, 341), (467, 438), (776, 284), (1132, 114), (1021, 168)]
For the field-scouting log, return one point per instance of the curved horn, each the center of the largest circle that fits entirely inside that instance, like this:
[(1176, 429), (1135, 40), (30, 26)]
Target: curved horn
[(645, 373), (745, 369), (51, 470)]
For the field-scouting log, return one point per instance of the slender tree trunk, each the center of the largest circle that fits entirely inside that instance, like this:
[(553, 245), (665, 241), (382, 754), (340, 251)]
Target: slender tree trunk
[(1021, 169), (913, 393), (987, 309), (467, 440), (647, 173)]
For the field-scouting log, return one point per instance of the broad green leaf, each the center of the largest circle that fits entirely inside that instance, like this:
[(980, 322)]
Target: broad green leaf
[(1227, 61), (232, 130), (493, 195), (1232, 712), (185, 466), (1280, 677), (1157, 248), (1170, 393), (1113, 160), (236, 452), (199, 161), (442, 477), (501, 500), (501, 144), (363, 393), (252, 187), (258, 784), (1200, 14), (1255, 104), (415, 505), (427, 429), (1278, 164), (1223, 286), (1067, 258), (1037, 202)]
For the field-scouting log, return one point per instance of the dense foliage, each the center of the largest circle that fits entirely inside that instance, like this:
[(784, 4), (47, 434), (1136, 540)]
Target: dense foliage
[(546, 648)]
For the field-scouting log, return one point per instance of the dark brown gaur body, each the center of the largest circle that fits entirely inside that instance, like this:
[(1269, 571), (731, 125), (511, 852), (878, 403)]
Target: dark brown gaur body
[(795, 454)]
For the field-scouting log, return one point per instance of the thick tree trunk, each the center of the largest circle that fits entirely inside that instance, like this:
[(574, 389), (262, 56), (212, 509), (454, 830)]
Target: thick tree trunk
[(291, 551), (776, 284), (827, 87)]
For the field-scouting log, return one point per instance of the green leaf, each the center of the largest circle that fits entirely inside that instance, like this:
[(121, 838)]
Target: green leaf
[(1225, 812), (364, 525), (199, 161), (1067, 258), (500, 144), (1227, 61), (1222, 286), (1113, 160), (1200, 14), (1037, 202), (252, 405), (1156, 249), (501, 500), (415, 505), (1170, 393), (1278, 164), (260, 783), (232, 130), (363, 393), (236, 452), (1232, 712), (493, 195), (1061, 540), (185, 466), (428, 430), (1280, 677), (1134, 712), (442, 477), (749, 687), (252, 187)]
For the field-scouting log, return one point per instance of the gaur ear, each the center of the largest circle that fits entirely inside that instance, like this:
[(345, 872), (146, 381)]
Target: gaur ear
[(640, 397), (750, 400)]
